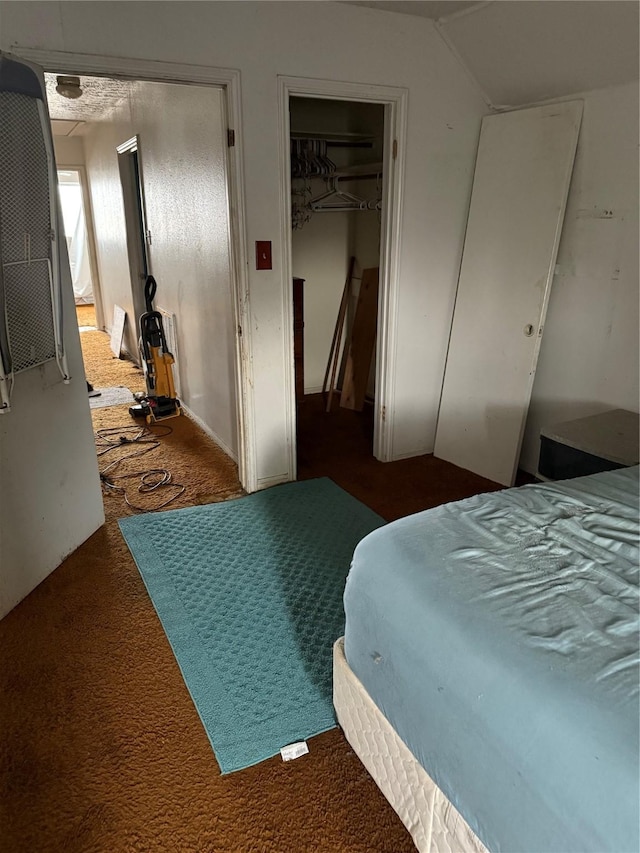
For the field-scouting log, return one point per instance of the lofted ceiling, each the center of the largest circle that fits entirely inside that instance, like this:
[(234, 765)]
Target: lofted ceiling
[(523, 51)]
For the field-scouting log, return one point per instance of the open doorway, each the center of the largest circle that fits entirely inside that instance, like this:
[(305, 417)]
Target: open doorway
[(377, 115), (78, 232), (337, 165), (125, 133), (336, 180), (72, 203)]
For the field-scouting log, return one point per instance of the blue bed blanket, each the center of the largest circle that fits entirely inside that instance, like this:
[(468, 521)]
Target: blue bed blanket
[(499, 636)]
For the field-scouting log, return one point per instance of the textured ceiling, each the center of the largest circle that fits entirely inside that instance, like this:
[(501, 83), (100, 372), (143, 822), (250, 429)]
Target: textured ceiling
[(99, 96)]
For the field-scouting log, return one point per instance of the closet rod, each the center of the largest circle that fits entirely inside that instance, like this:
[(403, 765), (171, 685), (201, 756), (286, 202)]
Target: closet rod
[(363, 170), (333, 137), (336, 144)]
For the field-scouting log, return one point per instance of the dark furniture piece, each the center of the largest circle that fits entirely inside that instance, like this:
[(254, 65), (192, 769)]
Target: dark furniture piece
[(589, 445), (298, 335)]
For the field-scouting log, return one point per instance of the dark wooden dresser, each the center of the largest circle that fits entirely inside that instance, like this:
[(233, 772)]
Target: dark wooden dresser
[(298, 335)]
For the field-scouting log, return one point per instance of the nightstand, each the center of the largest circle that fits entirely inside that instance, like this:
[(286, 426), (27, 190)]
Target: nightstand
[(589, 445)]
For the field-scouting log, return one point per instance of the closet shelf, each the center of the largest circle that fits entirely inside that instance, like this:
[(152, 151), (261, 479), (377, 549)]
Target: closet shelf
[(362, 170), (337, 140)]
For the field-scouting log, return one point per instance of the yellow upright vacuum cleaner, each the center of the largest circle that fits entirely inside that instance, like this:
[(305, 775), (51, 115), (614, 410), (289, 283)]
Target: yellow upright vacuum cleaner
[(160, 400)]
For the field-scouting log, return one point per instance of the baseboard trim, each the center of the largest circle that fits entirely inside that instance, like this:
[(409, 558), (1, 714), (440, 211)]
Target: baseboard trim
[(207, 429), (396, 457), (267, 482)]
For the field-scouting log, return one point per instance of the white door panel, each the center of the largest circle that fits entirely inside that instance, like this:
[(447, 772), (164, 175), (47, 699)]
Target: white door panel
[(520, 187), (48, 465)]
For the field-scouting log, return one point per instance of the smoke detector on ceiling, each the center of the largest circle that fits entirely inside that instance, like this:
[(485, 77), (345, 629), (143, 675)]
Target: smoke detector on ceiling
[(69, 87)]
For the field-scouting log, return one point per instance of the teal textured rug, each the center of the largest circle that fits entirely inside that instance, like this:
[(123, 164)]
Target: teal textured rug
[(249, 593)]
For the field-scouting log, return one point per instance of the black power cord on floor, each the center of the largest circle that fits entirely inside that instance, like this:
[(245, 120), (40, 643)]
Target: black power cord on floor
[(151, 479)]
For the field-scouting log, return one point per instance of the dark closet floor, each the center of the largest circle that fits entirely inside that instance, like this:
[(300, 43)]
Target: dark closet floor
[(339, 445)]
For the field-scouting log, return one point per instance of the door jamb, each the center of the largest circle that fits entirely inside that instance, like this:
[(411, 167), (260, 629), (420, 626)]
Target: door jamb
[(135, 225), (394, 100), (88, 221), (229, 80)]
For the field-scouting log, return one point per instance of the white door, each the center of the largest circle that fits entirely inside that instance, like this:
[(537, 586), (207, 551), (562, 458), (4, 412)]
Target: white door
[(520, 188), (48, 464)]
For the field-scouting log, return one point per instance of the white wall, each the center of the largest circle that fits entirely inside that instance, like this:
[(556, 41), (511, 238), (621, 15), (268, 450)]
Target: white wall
[(181, 131), (69, 150), (589, 354), (316, 40), (320, 253), (100, 143)]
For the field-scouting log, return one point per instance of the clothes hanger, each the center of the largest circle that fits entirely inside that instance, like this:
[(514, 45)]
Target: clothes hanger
[(336, 199)]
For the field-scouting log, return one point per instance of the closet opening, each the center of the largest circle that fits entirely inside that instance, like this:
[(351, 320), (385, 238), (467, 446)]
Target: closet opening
[(336, 159)]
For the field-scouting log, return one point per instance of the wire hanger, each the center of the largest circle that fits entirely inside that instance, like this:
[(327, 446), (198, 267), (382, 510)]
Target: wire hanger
[(309, 159), (335, 199)]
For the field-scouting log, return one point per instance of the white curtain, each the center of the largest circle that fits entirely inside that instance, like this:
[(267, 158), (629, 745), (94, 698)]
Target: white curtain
[(76, 234)]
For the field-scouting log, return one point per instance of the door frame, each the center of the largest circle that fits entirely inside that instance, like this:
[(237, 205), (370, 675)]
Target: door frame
[(135, 218), (88, 221), (227, 79), (394, 100)]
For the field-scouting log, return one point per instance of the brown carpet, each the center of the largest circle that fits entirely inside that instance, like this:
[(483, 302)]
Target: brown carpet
[(101, 748), (338, 444), (86, 315), (103, 369), (101, 366)]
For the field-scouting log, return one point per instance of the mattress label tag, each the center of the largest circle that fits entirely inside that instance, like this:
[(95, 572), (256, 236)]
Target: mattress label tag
[(294, 750)]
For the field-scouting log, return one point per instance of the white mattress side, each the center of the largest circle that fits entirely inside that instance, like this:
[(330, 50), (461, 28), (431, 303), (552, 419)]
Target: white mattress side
[(433, 822)]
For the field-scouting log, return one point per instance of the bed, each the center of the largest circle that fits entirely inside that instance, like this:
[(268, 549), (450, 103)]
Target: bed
[(488, 675)]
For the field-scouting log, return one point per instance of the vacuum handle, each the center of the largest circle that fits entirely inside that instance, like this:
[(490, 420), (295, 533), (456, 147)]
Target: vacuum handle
[(152, 333), (150, 288)]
